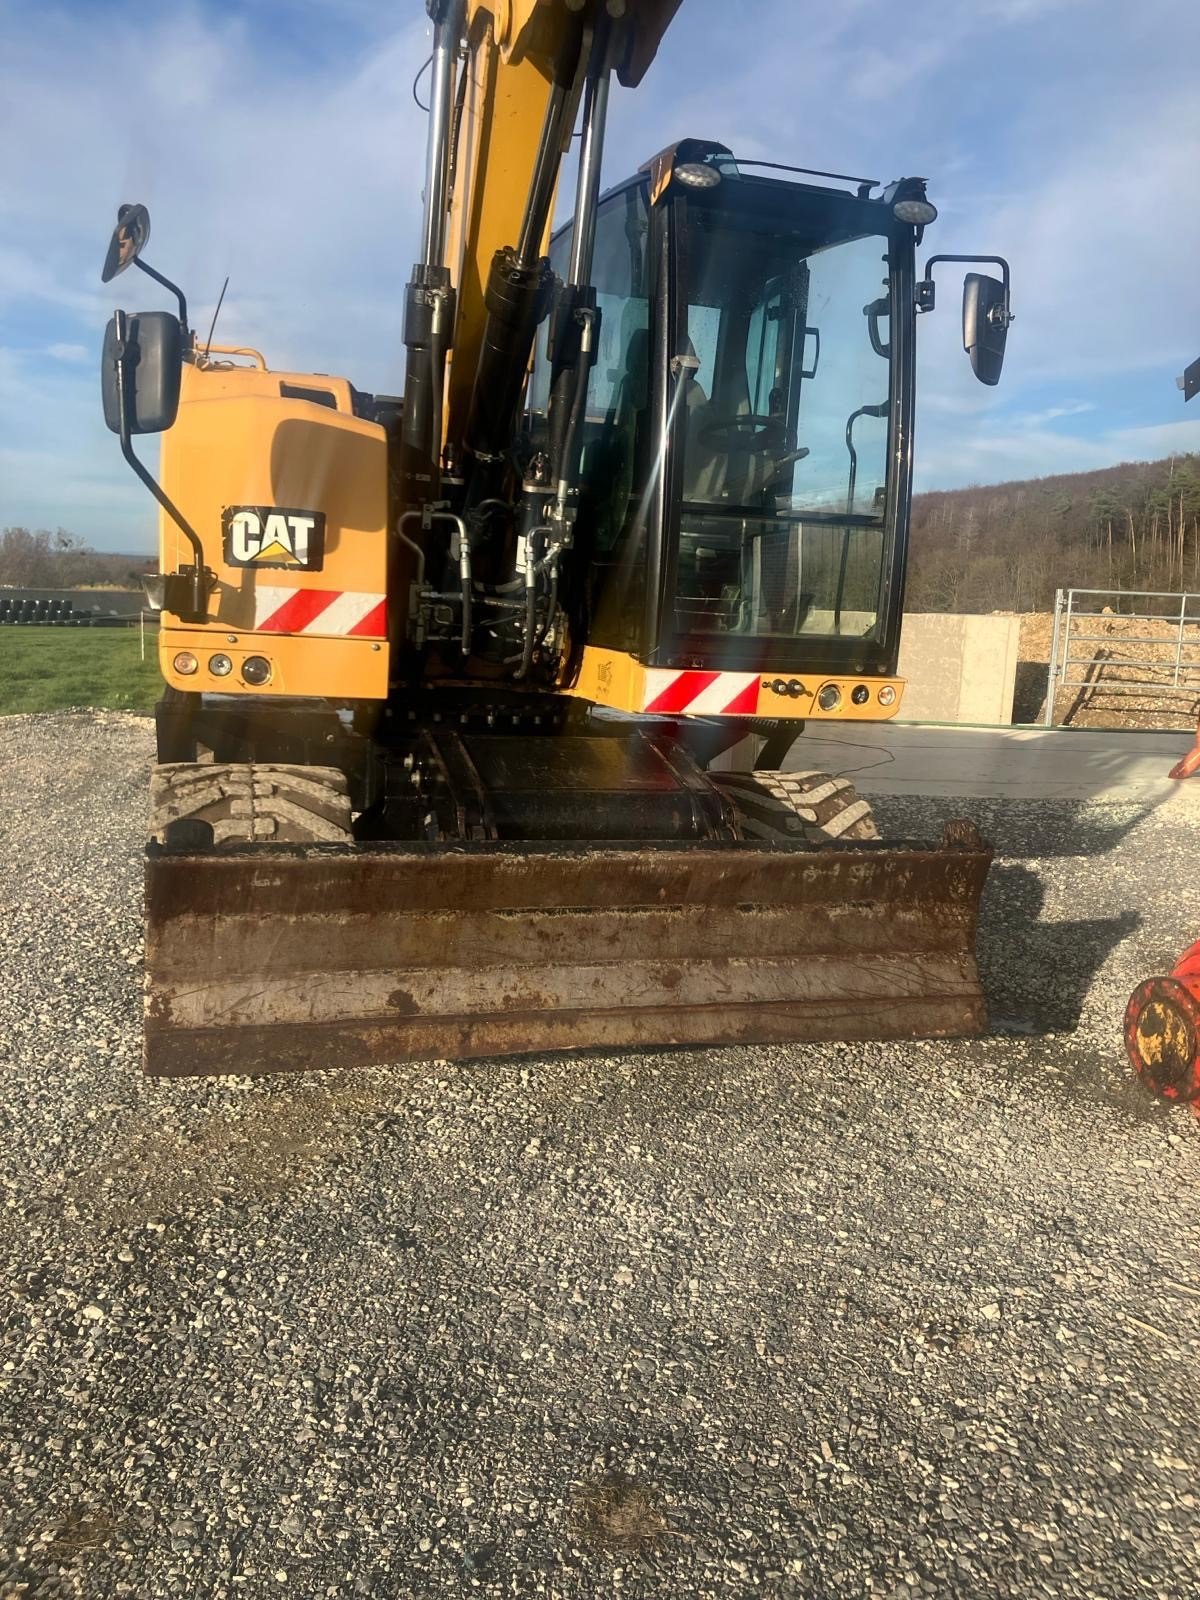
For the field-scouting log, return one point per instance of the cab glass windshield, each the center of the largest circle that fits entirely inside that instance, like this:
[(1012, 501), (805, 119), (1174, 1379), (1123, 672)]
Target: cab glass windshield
[(783, 420)]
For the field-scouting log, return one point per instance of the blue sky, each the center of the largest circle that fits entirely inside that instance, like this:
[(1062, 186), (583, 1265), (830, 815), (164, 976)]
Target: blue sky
[(278, 142)]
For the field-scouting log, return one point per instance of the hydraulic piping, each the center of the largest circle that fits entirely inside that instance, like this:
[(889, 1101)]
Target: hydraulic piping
[(430, 304)]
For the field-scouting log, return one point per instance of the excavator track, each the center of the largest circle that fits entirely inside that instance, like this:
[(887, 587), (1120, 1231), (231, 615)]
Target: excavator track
[(225, 803), (818, 807)]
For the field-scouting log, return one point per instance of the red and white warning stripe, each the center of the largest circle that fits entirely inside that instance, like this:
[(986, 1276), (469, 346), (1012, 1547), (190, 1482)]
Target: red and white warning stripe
[(328, 611), (700, 694)]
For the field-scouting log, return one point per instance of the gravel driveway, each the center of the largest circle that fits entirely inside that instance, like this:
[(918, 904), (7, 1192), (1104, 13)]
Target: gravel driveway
[(879, 1320)]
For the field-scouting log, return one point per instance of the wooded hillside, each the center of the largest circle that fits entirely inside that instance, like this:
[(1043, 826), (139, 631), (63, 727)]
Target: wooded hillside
[(999, 547), (1008, 546)]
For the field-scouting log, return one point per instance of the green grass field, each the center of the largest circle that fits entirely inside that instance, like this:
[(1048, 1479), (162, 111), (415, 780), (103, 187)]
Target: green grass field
[(53, 669)]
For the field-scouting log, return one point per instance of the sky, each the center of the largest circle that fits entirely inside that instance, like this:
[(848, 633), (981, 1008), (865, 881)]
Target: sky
[(277, 141)]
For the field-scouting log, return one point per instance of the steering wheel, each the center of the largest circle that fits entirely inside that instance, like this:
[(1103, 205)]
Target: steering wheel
[(746, 432)]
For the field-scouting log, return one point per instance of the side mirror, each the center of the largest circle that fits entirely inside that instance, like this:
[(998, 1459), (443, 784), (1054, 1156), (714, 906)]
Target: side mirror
[(153, 364), (129, 239), (139, 381), (985, 325)]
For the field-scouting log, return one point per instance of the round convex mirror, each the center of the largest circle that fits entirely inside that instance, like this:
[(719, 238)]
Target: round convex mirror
[(128, 240)]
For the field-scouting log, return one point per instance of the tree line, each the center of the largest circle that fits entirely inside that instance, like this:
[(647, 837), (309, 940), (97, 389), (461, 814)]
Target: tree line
[(1001, 547), (39, 559), (1008, 546)]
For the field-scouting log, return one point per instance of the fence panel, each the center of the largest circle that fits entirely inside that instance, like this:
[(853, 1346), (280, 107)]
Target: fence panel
[(1133, 642)]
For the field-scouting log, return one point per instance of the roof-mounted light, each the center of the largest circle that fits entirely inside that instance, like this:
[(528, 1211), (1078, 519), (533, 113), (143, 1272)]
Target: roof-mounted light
[(691, 161), (697, 175), (920, 213)]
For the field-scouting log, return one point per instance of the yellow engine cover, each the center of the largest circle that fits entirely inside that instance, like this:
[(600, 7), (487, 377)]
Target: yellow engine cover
[(289, 497)]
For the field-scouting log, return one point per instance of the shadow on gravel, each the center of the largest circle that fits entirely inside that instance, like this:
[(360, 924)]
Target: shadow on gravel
[(1038, 829), (1021, 830), (1038, 974)]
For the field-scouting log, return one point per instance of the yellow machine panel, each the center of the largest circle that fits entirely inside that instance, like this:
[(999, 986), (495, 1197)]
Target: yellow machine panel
[(288, 491), (612, 678)]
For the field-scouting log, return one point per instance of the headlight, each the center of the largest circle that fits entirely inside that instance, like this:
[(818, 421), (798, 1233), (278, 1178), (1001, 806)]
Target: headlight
[(860, 694), (220, 666), (919, 212), (185, 662), (256, 670), (697, 175), (830, 697), (887, 695)]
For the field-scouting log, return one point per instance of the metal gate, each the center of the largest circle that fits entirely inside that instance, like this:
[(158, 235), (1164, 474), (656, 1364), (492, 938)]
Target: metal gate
[(1139, 642)]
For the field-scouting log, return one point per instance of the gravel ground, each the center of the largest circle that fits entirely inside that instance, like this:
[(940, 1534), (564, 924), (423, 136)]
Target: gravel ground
[(808, 1321)]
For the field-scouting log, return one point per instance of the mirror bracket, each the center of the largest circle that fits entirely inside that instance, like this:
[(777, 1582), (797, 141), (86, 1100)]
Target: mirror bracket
[(926, 294), (129, 239), (173, 287)]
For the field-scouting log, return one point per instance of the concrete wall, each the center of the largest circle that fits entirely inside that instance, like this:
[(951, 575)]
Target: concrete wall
[(959, 668)]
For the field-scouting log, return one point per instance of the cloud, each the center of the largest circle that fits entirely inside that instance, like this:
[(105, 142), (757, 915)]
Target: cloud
[(296, 180), (1039, 419), (1024, 10), (59, 465), (280, 144), (297, 174), (1038, 452)]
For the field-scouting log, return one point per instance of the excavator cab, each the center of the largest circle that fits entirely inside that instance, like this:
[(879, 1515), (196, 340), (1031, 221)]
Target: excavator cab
[(743, 475)]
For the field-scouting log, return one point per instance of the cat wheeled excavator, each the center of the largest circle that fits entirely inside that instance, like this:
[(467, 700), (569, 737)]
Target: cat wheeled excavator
[(447, 672)]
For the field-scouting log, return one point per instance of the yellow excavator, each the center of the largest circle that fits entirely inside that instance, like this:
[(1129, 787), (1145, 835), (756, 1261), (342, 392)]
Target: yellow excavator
[(450, 673)]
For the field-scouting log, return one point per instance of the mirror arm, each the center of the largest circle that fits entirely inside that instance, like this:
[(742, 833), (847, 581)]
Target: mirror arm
[(177, 291), (925, 287), (124, 397)]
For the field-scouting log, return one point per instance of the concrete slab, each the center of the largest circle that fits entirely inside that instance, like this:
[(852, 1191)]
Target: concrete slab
[(1017, 763), (959, 668)]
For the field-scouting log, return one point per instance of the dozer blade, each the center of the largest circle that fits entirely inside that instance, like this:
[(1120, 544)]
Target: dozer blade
[(277, 958)]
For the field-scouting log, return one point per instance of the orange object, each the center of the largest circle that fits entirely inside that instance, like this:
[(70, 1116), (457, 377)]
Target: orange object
[(1162, 1031), (1190, 762)]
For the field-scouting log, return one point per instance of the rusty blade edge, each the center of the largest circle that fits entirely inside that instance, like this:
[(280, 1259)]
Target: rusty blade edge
[(267, 1049), (385, 994), (528, 880)]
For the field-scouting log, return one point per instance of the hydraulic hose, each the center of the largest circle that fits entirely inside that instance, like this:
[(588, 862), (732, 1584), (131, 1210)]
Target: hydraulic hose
[(533, 567), (464, 578)]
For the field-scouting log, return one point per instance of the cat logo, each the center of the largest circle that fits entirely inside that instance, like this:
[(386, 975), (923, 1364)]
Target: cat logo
[(273, 536)]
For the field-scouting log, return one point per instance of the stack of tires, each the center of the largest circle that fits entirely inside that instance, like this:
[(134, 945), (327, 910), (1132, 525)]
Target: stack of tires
[(21, 611)]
